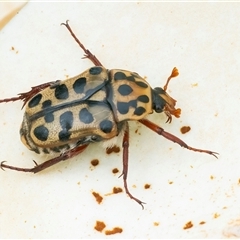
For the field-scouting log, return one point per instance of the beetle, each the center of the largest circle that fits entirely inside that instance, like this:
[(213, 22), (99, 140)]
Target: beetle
[(64, 117)]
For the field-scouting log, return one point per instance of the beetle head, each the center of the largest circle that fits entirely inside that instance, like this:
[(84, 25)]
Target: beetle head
[(162, 102)]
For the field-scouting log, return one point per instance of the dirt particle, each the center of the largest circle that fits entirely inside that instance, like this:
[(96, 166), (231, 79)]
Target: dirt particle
[(115, 149), (202, 222), (156, 224), (113, 231), (185, 129), (98, 197), (216, 215), (99, 226), (147, 186), (188, 225), (95, 162), (117, 190), (115, 170)]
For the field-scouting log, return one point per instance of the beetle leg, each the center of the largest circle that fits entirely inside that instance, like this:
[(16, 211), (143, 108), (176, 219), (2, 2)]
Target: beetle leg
[(88, 54), (171, 137), (125, 145), (66, 155), (28, 95)]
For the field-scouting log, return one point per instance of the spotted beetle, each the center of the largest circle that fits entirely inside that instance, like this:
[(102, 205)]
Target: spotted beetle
[(66, 116)]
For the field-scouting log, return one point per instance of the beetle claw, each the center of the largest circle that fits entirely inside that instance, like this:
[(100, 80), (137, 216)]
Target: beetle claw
[(1, 166)]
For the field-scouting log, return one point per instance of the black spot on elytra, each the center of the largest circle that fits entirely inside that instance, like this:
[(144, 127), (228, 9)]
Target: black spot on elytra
[(106, 126), (123, 107), (66, 120), (143, 98), (46, 104), (119, 76), (35, 100), (85, 116), (79, 85), (61, 92), (141, 84), (95, 70), (64, 135), (125, 90), (122, 76), (49, 117), (41, 133), (139, 111)]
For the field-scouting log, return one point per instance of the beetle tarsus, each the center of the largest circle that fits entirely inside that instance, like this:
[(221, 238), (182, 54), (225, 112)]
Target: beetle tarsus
[(173, 138), (88, 54), (39, 167), (125, 145)]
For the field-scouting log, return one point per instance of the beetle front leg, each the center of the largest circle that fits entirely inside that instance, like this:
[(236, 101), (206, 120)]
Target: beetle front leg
[(125, 145), (88, 54), (173, 138), (38, 168)]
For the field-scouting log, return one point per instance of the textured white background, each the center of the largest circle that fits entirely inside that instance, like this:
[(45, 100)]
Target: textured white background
[(203, 41)]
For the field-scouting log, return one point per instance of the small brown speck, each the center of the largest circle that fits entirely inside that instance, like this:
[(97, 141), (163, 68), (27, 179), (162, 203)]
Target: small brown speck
[(98, 197), (12, 48), (100, 226), (194, 84), (156, 224), (212, 177), (170, 182), (188, 225), (113, 231), (136, 131), (78, 183), (185, 129), (216, 215), (202, 222), (239, 181), (95, 162), (115, 149), (117, 190), (147, 186), (115, 170)]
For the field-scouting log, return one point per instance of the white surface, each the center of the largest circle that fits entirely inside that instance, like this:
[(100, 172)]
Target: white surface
[(202, 40)]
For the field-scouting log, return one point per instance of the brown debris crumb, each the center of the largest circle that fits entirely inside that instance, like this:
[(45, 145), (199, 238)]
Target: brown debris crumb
[(113, 231), (185, 129), (115, 170), (115, 149), (98, 197), (100, 226), (117, 190), (188, 225), (147, 186), (95, 162)]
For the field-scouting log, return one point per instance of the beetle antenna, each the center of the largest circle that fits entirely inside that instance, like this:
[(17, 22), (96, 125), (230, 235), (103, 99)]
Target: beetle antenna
[(174, 73)]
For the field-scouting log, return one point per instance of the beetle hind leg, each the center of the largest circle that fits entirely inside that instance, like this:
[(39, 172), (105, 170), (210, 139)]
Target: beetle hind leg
[(125, 145), (87, 54), (173, 138), (38, 168)]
